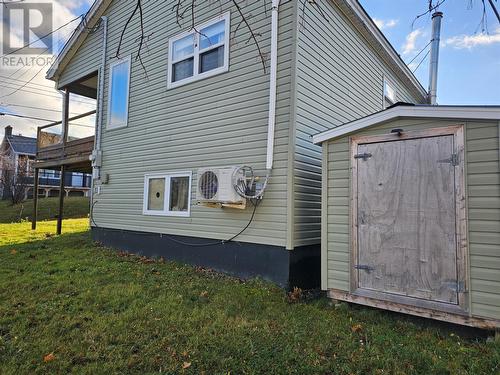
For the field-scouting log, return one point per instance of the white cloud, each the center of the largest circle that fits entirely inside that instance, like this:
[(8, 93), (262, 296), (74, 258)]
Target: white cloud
[(410, 45), (471, 41), (385, 24)]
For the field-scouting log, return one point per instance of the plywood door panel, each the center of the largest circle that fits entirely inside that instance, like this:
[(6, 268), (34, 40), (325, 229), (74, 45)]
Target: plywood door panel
[(407, 218)]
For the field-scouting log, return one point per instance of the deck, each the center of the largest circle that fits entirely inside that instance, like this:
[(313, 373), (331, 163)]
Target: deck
[(72, 149)]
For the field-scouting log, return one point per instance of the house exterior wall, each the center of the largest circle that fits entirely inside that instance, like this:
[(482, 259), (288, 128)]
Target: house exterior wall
[(339, 77), (218, 121), (482, 171)]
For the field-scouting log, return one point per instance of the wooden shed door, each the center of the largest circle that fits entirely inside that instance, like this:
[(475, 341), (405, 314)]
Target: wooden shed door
[(407, 242)]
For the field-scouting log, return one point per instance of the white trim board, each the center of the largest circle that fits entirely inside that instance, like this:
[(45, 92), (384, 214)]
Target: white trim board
[(424, 111)]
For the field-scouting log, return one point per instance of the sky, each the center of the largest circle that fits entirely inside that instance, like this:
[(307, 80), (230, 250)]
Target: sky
[(469, 58), (469, 66)]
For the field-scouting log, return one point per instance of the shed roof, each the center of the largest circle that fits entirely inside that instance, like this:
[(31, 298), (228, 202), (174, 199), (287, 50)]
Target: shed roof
[(400, 110), (22, 145)]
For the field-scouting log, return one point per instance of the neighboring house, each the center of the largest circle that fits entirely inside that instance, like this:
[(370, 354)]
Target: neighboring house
[(204, 104), (17, 155)]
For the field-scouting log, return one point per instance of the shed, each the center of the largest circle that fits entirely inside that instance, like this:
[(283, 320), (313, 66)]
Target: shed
[(411, 212)]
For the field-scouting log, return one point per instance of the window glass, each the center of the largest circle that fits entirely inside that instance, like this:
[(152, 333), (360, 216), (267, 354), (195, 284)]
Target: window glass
[(202, 53), (389, 92), (182, 70), (156, 194), (119, 94), (179, 193), (212, 35), (212, 59), (183, 48)]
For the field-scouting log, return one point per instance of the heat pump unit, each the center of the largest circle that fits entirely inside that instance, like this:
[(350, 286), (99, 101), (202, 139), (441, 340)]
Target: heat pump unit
[(216, 185)]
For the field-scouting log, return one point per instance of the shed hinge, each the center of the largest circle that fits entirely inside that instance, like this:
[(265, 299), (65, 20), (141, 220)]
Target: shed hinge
[(364, 267), (364, 156), (453, 160)]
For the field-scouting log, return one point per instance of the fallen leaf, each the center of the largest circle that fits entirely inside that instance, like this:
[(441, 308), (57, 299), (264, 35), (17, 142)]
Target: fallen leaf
[(49, 357), (186, 365), (356, 328), (204, 294), (13, 251)]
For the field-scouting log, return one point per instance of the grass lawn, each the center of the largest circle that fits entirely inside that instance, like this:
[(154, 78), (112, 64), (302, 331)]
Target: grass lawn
[(74, 207), (67, 305)]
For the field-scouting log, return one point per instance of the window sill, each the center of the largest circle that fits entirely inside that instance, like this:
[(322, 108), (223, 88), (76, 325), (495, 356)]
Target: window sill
[(199, 77), (167, 214)]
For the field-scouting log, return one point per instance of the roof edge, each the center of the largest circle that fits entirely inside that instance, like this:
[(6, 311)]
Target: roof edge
[(386, 45), (422, 111), (88, 20)]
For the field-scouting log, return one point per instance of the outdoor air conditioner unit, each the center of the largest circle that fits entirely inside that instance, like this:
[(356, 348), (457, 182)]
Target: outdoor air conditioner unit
[(215, 185)]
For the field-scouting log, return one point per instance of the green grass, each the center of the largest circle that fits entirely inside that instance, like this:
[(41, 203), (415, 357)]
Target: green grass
[(74, 207), (97, 311)]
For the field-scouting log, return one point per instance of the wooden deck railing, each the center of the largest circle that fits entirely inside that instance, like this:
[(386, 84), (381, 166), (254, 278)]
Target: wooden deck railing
[(56, 143)]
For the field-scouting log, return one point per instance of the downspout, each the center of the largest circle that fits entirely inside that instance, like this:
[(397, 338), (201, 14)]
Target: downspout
[(96, 155), (272, 86)]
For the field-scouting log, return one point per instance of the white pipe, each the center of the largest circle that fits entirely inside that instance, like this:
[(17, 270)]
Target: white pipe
[(434, 57), (100, 93), (272, 85)]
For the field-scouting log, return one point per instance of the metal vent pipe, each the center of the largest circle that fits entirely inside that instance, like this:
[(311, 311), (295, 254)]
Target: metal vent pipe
[(434, 57)]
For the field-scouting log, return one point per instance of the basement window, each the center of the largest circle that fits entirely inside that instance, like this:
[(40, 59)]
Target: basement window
[(119, 94), (389, 94), (198, 54), (167, 194)]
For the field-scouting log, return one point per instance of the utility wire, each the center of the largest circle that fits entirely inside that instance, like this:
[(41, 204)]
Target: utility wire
[(418, 54), (43, 37), (37, 108), (42, 119), (495, 10), (24, 84), (421, 61)]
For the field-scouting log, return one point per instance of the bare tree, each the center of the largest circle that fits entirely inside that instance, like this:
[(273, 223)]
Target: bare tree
[(15, 182)]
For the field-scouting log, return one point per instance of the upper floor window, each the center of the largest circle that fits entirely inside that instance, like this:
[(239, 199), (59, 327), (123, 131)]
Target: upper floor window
[(119, 93), (200, 53), (389, 94)]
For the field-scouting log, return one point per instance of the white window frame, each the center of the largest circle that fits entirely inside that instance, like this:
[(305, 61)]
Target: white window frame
[(197, 52), (166, 203), (386, 101), (127, 60)]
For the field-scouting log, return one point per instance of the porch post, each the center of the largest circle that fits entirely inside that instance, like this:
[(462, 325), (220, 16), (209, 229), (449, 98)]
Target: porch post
[(65, 115), (35, 199), (61, 201)]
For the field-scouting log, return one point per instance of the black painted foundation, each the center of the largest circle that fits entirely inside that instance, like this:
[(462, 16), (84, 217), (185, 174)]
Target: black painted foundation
[(287, 268)]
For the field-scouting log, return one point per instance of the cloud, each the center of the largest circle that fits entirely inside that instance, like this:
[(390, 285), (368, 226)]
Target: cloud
[(39, 92), (385, 24), (410, 44), (471, 41)]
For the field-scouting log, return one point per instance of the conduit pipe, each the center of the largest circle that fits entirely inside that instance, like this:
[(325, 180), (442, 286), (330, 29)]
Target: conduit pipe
[(100, 93), (272, 84)]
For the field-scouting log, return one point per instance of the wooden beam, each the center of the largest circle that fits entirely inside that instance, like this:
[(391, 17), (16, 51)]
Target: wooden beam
[(35, 199), (65, 115), (61, 201)]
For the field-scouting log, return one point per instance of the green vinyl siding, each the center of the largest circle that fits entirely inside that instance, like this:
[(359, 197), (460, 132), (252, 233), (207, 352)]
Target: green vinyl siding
[(215, 122), (483, 203), (339, 78)]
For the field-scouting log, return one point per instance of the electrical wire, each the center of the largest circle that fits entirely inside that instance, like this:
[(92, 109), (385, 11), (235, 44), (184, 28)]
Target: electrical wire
[(421, 61), (180, 242), (43, 119), (42, 37), (418, 54)]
